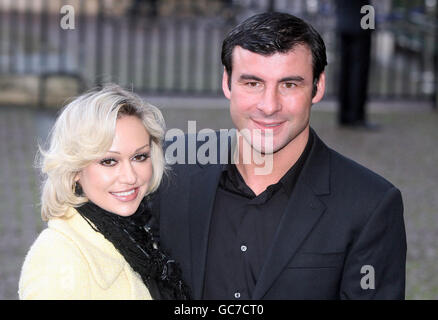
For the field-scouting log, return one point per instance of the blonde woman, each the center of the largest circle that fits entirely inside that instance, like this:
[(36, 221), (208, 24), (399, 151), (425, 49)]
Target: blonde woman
[(105, 156)]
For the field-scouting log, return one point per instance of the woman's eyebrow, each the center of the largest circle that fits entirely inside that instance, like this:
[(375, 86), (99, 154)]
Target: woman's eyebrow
[(146, 145)]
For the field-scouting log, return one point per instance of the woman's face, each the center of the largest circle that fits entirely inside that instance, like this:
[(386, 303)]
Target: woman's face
[(119, 181)]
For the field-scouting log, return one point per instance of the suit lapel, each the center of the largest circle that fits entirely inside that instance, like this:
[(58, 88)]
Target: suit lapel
[(203, 185), (303, 211)]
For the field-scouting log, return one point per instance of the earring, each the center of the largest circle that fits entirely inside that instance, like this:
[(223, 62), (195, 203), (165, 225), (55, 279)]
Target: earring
[(77, 189)]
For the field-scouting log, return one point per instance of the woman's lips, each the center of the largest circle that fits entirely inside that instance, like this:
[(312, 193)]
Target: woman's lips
[(125, 196)]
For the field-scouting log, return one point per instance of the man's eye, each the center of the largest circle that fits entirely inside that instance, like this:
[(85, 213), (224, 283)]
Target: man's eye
[(108, 162), (253, 84), (289, 85), (141, 157)]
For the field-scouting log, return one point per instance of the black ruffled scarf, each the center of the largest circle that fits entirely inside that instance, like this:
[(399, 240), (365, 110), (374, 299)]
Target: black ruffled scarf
[(133, 237)]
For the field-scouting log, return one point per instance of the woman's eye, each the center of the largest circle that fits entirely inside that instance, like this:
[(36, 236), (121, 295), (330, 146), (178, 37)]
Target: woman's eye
[(141, 157), (108, 162)]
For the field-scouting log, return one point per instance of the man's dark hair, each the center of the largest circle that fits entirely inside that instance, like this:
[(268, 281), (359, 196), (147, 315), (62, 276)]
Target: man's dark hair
[(274, 32)]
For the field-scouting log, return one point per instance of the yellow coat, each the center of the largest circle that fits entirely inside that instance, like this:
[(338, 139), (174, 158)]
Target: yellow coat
[(69, 260)]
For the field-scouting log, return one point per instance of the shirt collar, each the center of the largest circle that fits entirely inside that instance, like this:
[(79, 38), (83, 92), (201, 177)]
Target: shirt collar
[(287, 182)]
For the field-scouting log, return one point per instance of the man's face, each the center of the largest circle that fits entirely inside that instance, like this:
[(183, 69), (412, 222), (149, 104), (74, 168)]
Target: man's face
[(272, 95)]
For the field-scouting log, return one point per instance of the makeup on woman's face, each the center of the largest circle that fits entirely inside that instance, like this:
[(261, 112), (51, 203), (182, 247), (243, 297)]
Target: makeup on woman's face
[(119, 181)]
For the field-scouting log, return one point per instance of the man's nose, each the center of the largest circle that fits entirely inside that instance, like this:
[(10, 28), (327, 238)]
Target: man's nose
[(270, 103), (128, 174)]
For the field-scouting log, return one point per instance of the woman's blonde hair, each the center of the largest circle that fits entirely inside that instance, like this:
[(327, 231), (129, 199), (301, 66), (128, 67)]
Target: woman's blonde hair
[(83, 133)]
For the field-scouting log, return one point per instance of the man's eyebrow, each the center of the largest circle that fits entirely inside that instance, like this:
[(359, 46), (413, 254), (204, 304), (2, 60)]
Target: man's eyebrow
[(285, 79), (146, 145), (292, 78), (249, 77)]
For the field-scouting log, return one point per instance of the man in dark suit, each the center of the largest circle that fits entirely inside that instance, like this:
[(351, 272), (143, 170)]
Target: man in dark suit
[(355, 54), (312, 224)]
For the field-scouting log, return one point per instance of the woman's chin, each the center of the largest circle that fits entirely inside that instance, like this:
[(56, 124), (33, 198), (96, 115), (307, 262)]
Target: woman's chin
[(124, 209)]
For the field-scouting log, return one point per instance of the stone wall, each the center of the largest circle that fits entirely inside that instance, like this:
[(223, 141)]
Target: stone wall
[(24, 90)]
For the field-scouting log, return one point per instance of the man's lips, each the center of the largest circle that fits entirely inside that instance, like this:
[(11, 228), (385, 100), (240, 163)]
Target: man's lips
[(264, 125), (127, 195)]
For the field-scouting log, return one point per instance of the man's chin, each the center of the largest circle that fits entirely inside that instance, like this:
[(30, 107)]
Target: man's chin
[(264, 145), (268, 151)]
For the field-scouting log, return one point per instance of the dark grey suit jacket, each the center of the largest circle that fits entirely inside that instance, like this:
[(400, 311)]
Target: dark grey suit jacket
[(340, 220)]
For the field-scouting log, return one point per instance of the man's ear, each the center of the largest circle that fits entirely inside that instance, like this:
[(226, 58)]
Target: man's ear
[(225, 87), (320, 88)]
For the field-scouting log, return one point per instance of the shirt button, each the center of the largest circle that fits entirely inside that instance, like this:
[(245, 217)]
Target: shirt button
[(237, 295), (243, 248)]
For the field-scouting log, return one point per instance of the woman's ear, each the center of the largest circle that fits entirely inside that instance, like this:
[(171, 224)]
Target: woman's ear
[(77, 188)]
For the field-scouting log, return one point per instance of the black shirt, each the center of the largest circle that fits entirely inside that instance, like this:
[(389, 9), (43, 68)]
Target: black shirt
[(242, 228)]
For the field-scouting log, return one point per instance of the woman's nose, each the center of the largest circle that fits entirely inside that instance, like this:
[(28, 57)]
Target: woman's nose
[(128, 174)]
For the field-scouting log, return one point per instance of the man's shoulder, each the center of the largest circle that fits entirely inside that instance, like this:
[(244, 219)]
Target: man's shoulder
[(351, 173), (343, 172)]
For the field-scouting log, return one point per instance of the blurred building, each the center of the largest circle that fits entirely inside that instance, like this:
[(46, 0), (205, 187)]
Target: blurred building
[(172, 47)]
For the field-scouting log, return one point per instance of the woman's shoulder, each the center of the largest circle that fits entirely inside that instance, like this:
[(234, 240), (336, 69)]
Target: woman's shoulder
[(69, 253), (51, 241), (56, 241), (54, 268)]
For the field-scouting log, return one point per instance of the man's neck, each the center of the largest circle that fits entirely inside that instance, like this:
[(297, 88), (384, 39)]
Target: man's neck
[(282, 161)]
